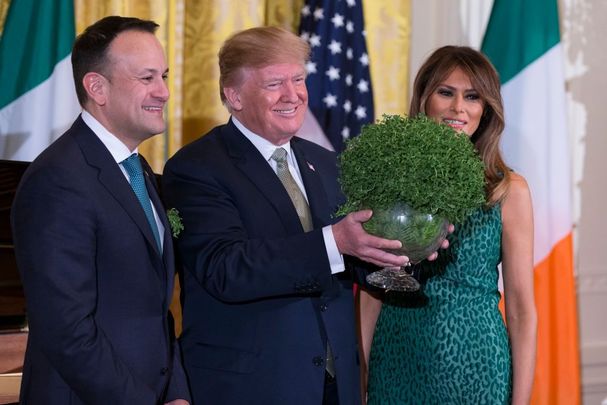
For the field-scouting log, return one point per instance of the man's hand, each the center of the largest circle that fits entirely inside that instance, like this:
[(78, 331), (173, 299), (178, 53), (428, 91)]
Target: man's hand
[(351, 239)]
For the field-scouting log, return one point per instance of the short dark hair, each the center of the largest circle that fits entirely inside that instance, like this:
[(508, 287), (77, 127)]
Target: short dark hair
[(89, 53)]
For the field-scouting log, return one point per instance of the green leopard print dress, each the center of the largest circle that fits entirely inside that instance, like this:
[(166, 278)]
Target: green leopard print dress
[(447, 344)]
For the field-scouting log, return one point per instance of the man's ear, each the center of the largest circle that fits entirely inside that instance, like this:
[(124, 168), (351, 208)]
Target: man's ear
[(96, 87), (232, 95)]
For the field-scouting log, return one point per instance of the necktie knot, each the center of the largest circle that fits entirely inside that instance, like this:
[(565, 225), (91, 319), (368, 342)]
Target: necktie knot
[(280, 156), (132, 165)]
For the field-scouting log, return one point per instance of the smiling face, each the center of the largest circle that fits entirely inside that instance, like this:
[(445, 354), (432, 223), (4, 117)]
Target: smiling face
[(271, 101), (133, 91), (456, 103)]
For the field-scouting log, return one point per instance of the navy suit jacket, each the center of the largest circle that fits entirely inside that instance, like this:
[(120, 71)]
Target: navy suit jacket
[(259, 299), (97, 289)]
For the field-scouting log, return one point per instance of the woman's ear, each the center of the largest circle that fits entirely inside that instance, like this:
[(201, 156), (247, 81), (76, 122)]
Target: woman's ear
[(95, 85)]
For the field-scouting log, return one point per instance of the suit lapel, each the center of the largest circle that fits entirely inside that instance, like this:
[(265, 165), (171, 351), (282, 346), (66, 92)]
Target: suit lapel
[(151, 184), (167, 251), (112, 178), (317, 197), (252, 164), (158, 206)]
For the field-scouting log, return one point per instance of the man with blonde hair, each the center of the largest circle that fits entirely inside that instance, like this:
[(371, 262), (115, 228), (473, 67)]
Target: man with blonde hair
[(268, 308)]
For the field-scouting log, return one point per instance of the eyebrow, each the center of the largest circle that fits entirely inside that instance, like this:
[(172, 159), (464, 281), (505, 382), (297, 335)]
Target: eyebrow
[(285, 77), (453, 88), (154, 71)]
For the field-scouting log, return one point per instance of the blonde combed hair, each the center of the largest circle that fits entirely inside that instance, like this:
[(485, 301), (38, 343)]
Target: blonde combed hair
[(255, 48)]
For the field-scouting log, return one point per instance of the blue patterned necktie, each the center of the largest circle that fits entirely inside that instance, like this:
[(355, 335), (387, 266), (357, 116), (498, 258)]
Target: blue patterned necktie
[(132, 165)]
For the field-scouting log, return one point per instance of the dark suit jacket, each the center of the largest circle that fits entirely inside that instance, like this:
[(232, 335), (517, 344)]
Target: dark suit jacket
[(259, 298), (97, 289)]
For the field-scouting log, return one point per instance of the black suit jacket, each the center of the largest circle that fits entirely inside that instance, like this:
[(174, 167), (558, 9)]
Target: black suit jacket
[(96, 287), (259, 298)]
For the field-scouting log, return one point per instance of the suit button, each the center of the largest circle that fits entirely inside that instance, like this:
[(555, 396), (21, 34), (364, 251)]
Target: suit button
[(318, 361), (164, 370), (324, 307)]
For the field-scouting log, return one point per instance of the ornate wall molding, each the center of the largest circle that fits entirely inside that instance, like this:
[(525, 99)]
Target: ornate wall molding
[(592, 284)]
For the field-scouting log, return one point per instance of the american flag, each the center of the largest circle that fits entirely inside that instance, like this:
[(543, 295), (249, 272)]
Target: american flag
[(339, 83)]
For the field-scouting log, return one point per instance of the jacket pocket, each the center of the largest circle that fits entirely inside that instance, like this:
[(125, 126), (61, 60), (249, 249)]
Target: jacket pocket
[(221, 358)]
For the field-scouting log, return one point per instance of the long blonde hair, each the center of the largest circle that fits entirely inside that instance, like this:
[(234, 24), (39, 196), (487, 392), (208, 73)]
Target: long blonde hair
[(485, 81)]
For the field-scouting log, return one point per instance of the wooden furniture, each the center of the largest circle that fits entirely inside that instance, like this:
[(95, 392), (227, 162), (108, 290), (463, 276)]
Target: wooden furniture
[(13, 334), (12, 301), (12, 347)]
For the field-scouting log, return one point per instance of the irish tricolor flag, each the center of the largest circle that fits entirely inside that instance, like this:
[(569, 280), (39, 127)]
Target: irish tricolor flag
[(523, 42), (37, 97)]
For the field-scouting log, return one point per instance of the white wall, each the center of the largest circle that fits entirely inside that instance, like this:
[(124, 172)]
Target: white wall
[(584, 32), (437, 22)]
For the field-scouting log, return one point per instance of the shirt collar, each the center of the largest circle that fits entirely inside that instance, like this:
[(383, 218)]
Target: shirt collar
[(117, 149), (265, 147)]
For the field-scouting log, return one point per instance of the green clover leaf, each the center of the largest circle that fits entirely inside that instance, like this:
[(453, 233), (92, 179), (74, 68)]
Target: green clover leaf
[(175, 222)]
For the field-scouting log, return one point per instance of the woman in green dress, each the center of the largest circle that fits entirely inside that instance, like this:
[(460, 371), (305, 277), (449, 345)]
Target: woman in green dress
[(449, 343)]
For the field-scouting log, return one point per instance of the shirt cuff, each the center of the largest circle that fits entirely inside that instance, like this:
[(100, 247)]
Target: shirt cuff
[(336, 259)]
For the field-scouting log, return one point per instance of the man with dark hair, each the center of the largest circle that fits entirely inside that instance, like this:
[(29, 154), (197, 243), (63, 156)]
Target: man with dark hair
[(92, 240), (268, 308)]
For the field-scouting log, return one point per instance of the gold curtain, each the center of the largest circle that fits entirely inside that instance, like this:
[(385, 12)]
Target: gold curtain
[(209, 23), (192, 32), (3, 9), (388, 39)]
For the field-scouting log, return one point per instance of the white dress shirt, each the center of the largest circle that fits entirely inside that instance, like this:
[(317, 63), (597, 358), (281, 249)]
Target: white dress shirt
[(266, 148), (119, 152)]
